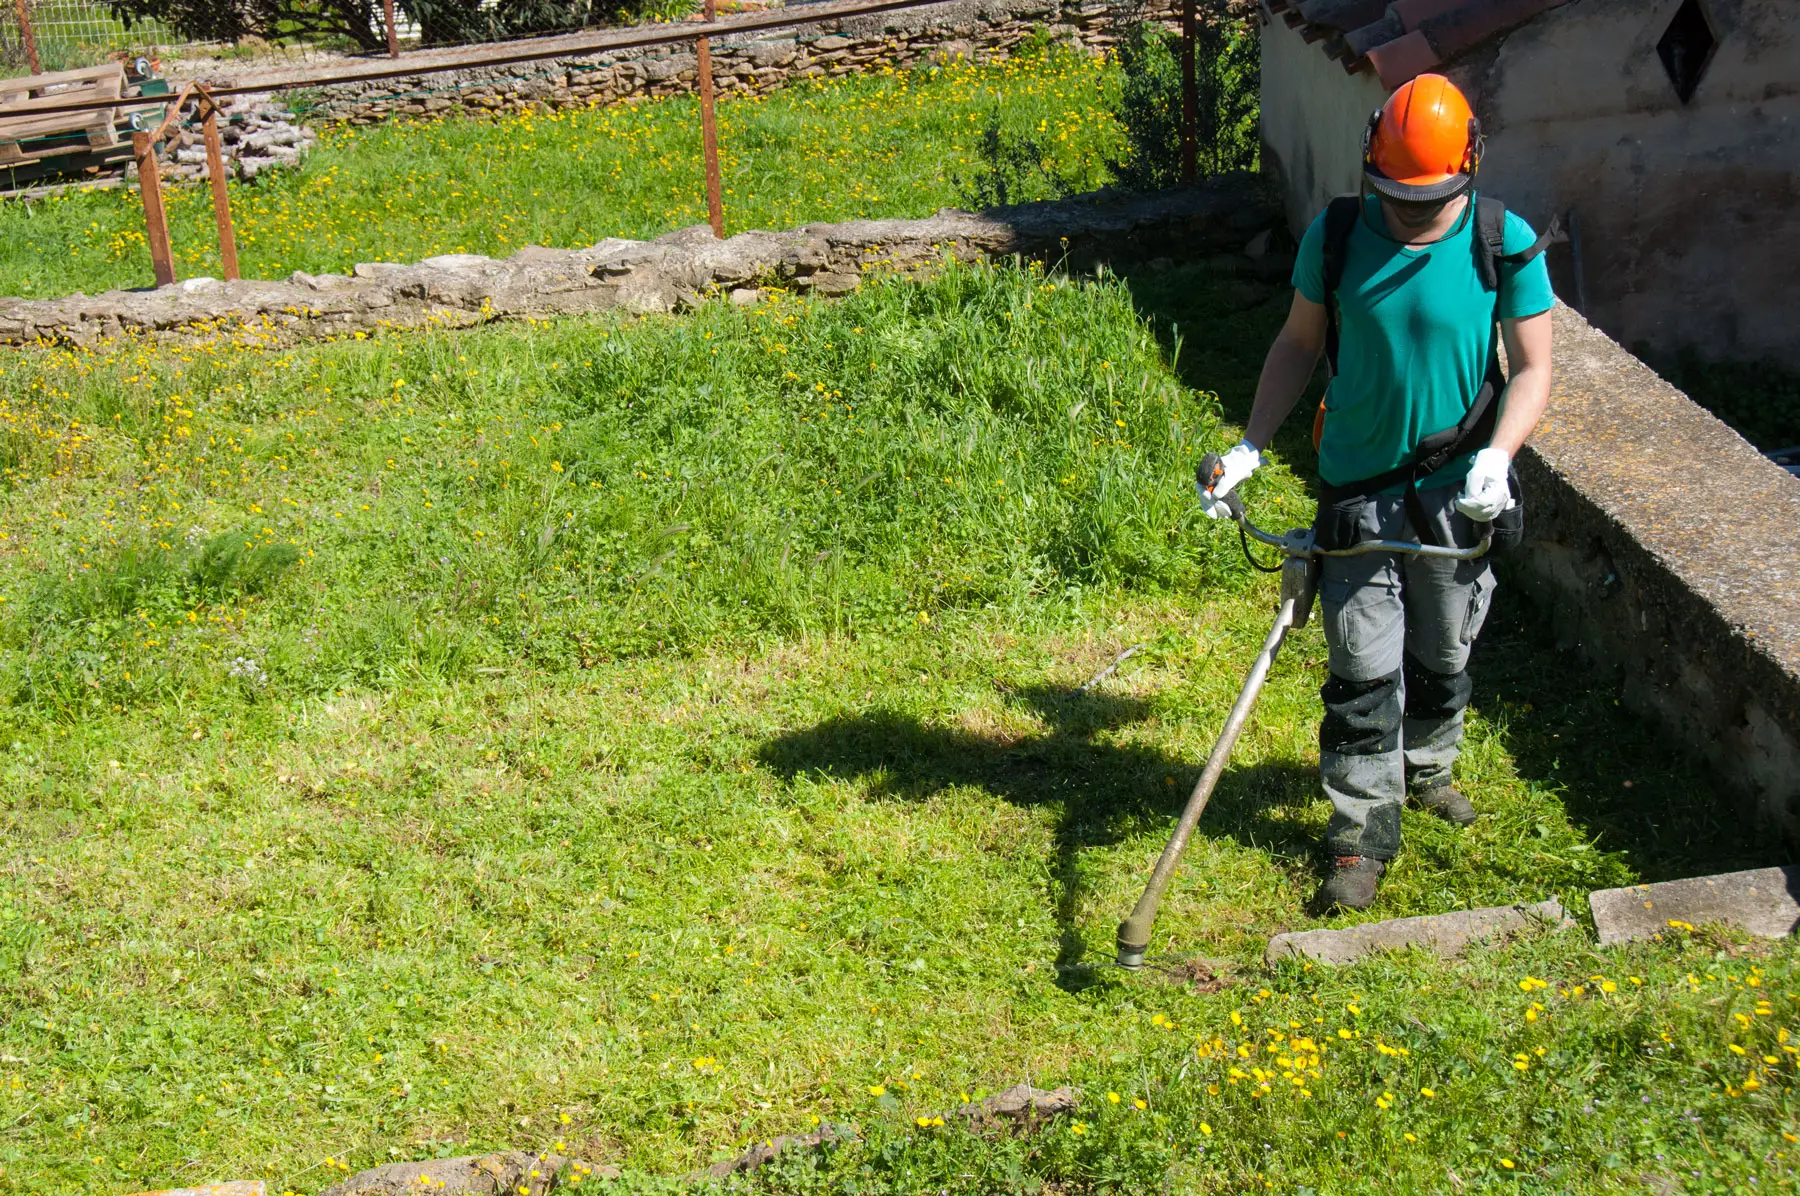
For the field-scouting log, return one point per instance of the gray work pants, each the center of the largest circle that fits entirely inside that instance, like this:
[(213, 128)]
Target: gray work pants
[(1399, 629)]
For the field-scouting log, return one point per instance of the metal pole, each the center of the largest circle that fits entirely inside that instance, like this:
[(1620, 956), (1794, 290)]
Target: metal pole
[(215, 173), (709, 129), (387, 15), (31, 54), (156, 221), (1134, 932), (1190, 97)]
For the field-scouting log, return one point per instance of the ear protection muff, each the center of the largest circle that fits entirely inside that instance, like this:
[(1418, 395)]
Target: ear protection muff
[(1477, 147)]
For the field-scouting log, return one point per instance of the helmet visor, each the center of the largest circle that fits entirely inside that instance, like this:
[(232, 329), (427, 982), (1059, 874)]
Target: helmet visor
[(1427, 190)]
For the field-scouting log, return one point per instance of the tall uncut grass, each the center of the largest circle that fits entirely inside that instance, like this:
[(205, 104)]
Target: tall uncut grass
[(987, 438)]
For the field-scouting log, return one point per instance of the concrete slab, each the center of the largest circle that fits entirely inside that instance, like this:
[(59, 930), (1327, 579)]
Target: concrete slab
[(1446, 934), (1763, 901)]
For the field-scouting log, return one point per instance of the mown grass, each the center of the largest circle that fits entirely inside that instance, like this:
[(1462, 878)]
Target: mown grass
[(886, 144), (664, 733)]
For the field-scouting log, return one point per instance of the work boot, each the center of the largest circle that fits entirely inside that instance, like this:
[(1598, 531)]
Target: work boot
[(1446, 803), (1351, 884)]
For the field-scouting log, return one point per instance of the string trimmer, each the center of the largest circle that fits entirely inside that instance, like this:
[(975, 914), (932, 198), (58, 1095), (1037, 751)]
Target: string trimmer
[(1299, 582)]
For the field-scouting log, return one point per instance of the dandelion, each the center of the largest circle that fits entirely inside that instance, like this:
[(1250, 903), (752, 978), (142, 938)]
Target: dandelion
[(1507, 1163), (877, 1089)]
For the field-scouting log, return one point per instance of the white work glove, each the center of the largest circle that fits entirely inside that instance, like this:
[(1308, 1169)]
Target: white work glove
[(1486, 492), (1239, 464)]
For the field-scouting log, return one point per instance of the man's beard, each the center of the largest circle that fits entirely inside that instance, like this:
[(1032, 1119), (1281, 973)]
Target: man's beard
[(1416, 215)]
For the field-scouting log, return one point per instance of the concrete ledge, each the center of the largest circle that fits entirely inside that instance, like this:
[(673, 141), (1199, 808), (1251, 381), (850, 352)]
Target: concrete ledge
[(672, 272), (1666, 551), (1764, 901), (1445, 934)]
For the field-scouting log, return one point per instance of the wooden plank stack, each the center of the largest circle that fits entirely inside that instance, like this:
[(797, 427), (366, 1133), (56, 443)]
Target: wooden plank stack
[(29, 133)]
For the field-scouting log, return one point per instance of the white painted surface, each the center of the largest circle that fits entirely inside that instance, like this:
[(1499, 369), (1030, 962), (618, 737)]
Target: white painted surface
[(1313, 116)]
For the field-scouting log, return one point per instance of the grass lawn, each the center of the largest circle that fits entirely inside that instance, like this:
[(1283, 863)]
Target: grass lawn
[(653, 735), (889, 144)]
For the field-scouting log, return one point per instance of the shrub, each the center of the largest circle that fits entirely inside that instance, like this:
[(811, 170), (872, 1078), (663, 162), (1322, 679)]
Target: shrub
[(1149, 104)]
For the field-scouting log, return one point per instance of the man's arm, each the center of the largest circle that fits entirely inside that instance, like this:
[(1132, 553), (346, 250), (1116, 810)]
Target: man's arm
[(1289, 367), (1486, 491), (1527, 392)]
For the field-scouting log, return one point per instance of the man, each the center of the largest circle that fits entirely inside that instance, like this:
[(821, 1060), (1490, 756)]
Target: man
[(1412, 349)]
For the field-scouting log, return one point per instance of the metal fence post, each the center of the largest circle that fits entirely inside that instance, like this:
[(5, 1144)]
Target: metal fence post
[(393, 36), (31, 54), (709, 127), (156, 221), (215, 173), (1190, 97)]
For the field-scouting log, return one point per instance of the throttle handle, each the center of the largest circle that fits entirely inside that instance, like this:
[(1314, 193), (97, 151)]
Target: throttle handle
[(1207, 475)]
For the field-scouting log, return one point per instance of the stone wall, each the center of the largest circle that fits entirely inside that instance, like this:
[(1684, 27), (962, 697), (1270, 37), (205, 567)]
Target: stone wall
[(975, 30), (1666, 551), (679, 270)]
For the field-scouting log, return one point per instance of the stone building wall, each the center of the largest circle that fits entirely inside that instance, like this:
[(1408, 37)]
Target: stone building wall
[(973, 30)]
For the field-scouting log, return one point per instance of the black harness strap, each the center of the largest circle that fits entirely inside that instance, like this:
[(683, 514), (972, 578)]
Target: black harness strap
[(1477, 425), (1341, 216)]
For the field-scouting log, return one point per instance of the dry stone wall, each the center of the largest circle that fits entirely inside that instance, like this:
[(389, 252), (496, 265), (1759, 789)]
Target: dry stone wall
[(673, 272), (976, 30)]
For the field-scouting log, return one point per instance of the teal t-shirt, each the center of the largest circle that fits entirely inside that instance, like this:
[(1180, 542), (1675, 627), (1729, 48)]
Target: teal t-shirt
[(1416, 330)]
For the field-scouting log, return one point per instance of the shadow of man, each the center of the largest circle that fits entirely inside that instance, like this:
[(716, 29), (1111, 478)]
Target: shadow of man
[(1102, 791)]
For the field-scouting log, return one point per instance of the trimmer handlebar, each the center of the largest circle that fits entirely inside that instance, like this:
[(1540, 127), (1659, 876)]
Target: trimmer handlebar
[(1300, 542)]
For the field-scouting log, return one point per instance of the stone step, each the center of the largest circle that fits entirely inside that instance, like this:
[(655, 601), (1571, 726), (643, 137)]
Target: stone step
[(1446, 934), (1763, 901)]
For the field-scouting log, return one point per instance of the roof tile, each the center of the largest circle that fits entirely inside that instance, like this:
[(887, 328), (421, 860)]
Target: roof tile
[(1468, 25), (1376, 33), (1403, 59), (1342, 14), (1407, 37)]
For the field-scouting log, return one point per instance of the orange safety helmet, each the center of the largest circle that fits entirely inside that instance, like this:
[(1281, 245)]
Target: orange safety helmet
[(1424, 145)]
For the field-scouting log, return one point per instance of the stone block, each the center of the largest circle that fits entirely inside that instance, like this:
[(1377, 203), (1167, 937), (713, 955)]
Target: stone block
[(1447, 935), (457, 261), (1763, 901), (237, 1187), (475, 1175)]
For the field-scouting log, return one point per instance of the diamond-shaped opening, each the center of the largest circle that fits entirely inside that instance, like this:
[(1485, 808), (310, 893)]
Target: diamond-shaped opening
[(1686, 47)]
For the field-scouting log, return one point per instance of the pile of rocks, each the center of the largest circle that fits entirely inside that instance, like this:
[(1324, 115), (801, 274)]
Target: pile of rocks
[(257, 136)]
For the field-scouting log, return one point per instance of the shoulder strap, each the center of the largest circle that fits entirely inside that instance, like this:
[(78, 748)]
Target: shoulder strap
[(1340, 221), (1490, 239)]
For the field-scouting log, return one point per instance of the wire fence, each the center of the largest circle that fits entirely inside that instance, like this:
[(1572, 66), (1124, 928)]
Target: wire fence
[(56, 35), (75, 33)]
